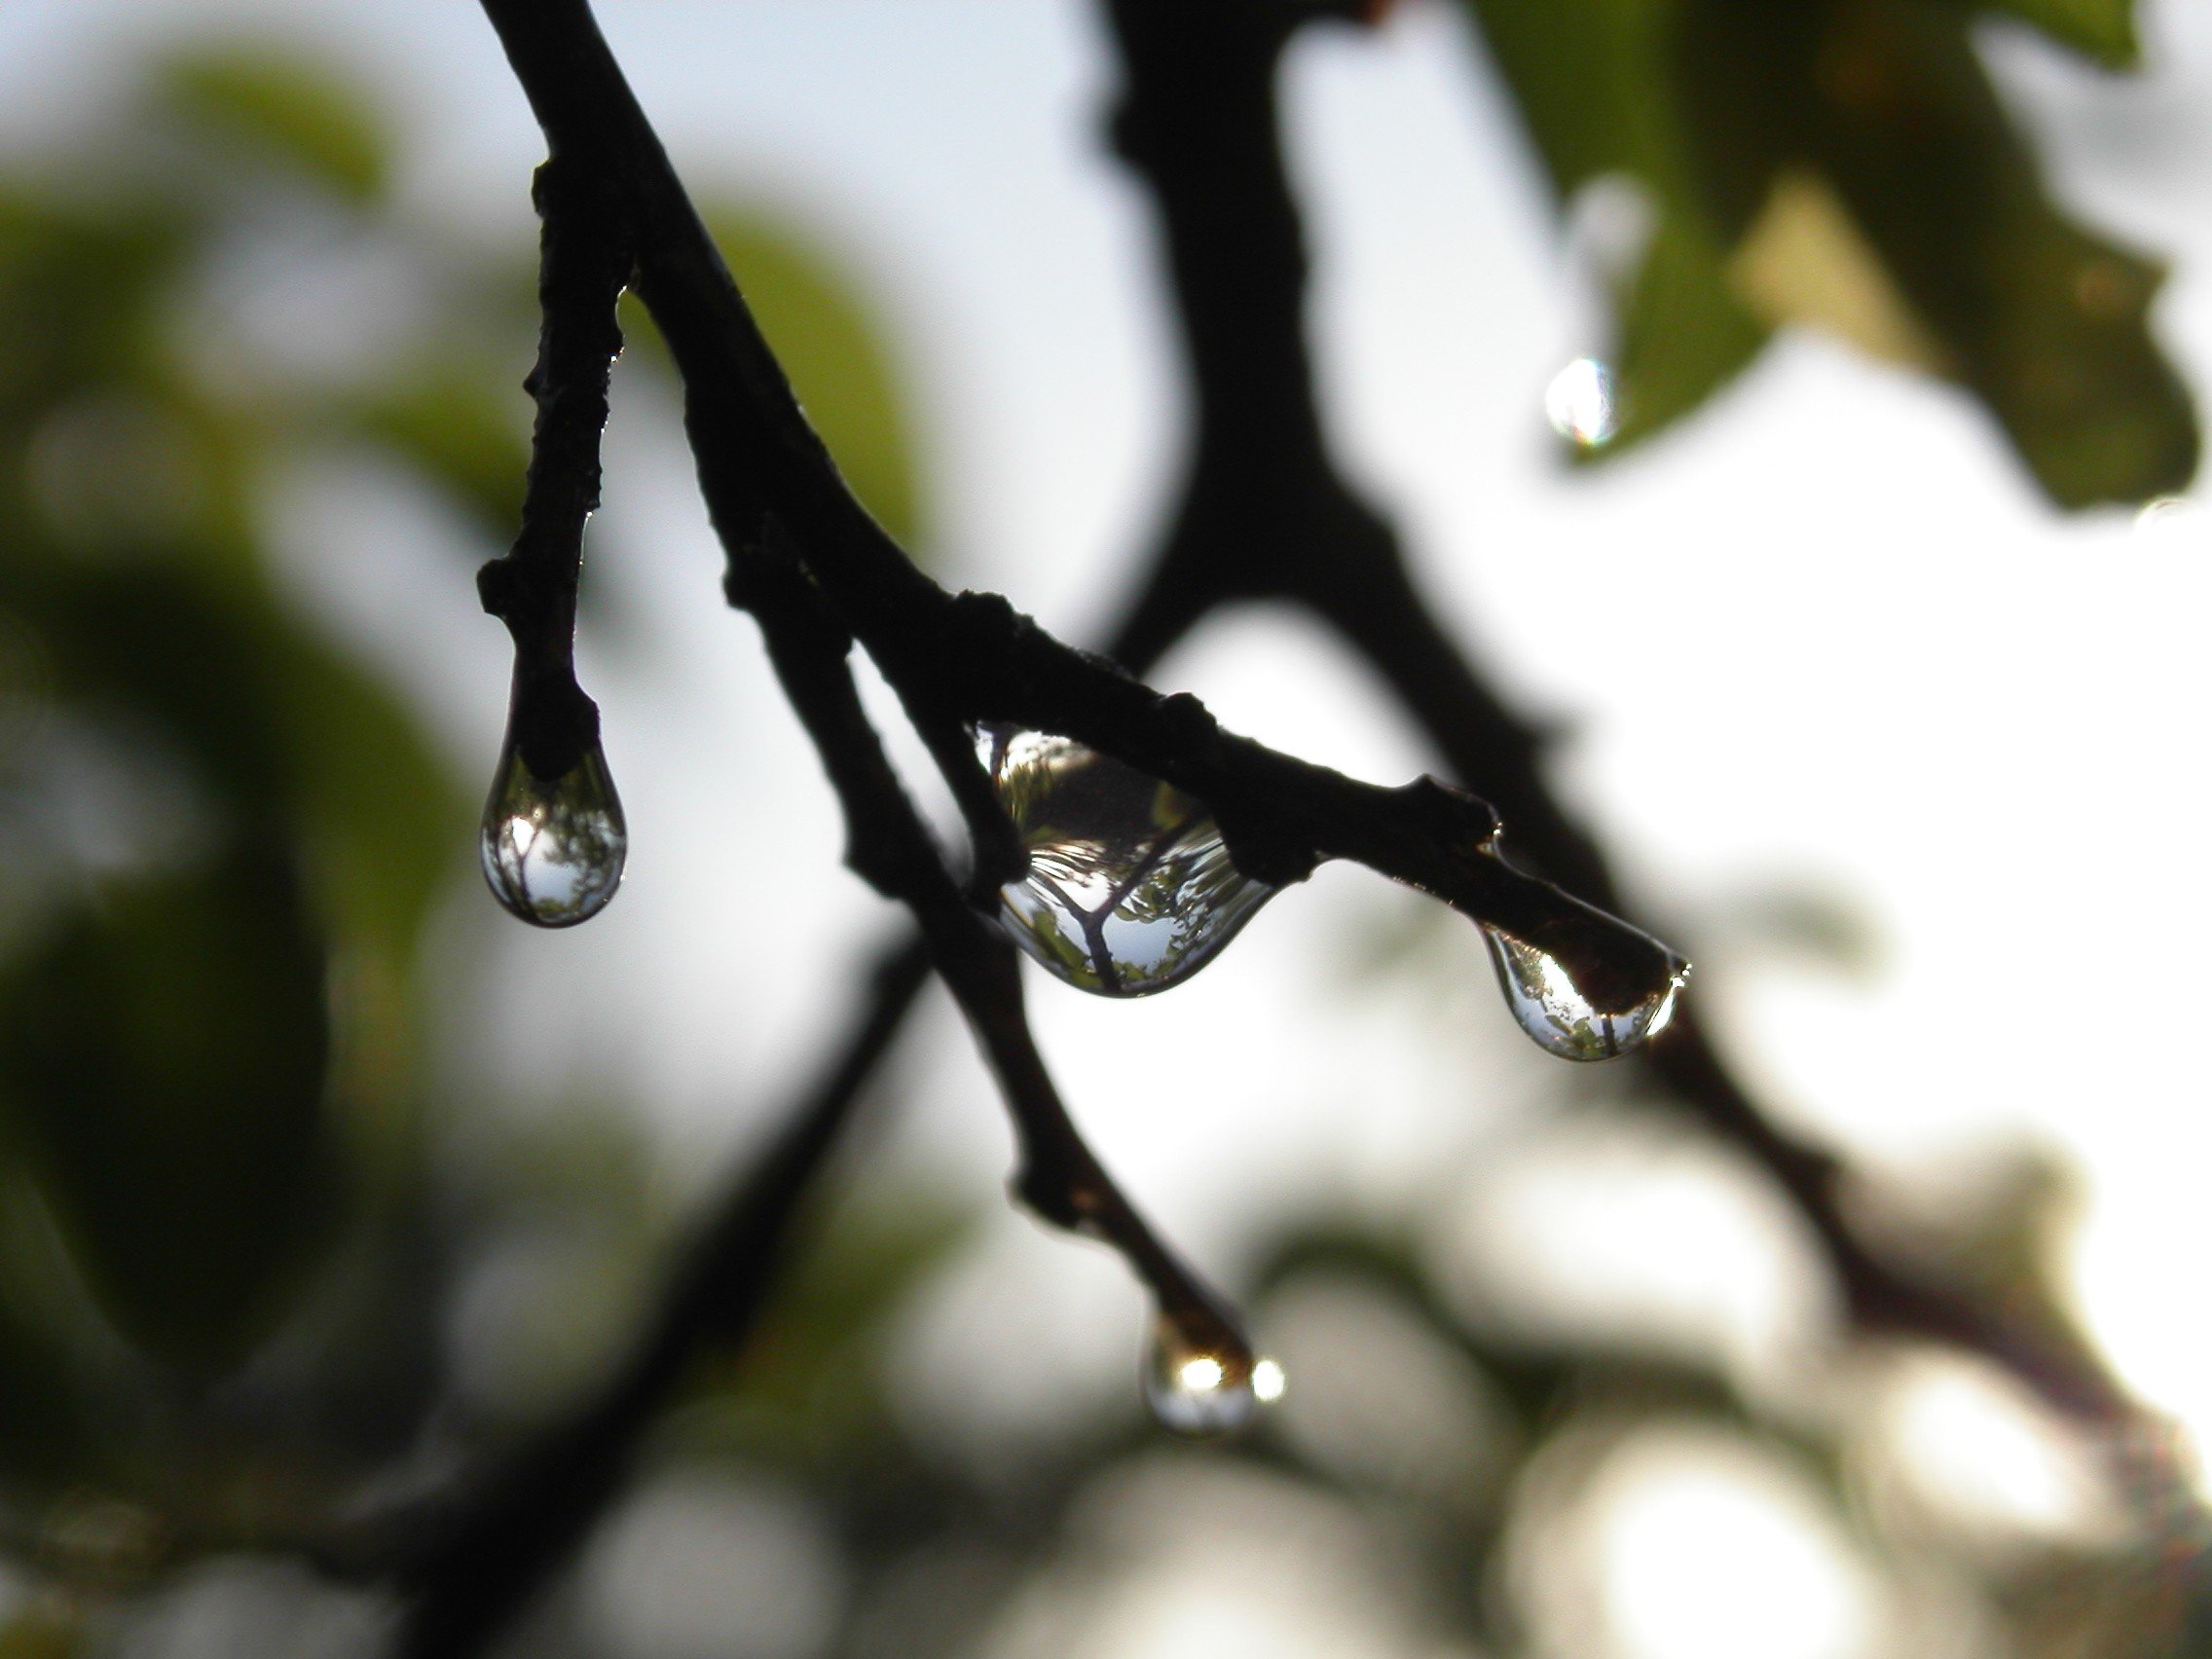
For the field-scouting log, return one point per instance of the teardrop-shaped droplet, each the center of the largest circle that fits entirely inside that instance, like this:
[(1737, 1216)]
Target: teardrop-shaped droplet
[(1587, 993), (1205, 1389), (553, 848), (1130, 888), (1583, 405)]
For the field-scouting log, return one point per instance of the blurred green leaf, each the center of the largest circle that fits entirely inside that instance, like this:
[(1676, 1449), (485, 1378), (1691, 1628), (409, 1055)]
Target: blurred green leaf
[(78, 278), (2100, 29), (1591, 80), (1887, 102), (164, 1059), (833, 348), (382, 819), (808, 1358), (1846, 165), (461, 430), (1683, 334), (291, 108), (1583, 74)]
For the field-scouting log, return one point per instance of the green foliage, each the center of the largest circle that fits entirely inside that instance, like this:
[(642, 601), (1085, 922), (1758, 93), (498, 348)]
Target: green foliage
[(458, 427), (204, 1035), (284, 106), (208, 961), (832, 350), (164, 1054), (2100, 29), (1846, 164), (185, 1018), (1592, 81), (1683, 333)]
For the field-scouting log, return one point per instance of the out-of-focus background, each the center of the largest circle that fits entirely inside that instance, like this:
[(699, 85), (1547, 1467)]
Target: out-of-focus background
[(321, 1180)]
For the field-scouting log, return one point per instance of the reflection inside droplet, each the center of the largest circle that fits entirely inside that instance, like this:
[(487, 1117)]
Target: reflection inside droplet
[(1205, 1391), (1268, 1382), (1561, 1008), (553, 850), (1130, 888), (1581, 403), (1200, 1375)]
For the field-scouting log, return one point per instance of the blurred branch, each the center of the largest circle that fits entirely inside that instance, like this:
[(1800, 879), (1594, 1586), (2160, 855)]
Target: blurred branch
[(478, 1562), (1265, 514)]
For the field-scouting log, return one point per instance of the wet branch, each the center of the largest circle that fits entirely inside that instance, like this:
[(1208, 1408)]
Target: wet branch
[(890, 846), (972, 656), (583, 264), (478, 1562), (1265, 514)]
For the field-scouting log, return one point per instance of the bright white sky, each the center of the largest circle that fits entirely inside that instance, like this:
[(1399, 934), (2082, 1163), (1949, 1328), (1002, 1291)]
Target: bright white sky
[(1824, 636)]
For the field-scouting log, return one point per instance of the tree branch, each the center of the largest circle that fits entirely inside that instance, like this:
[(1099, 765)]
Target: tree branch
[(583, 264), (1265, 514), (972, 656)]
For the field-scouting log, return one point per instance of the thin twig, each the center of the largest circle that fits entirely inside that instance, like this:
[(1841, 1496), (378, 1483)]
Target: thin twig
[(1265, 514), (583, 264), (973, 657)]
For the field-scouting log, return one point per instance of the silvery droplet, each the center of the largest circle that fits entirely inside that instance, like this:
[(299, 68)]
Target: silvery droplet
[(1561, 1010), (553, 849), (1204, 1390), (1130, 888), (1582, 404)]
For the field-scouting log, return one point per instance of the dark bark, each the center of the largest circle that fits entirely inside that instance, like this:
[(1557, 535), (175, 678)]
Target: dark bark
[(1264, 514)]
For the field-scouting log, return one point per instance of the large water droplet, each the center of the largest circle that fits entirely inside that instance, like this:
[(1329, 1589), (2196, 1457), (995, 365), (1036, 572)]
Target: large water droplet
[(1585, 993), (1204, 1390), (553, 849), (1130, 888)]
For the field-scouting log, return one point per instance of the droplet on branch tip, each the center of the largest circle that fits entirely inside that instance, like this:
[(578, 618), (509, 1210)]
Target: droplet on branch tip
[(553, 849), (1586, 986), (1203, 1390), (1130, 888)]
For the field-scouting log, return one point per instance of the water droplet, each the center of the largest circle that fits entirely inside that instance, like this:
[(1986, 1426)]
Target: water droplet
[(553, 849), (1203, 1390), (1582, 404), (1589, 987), (1130, 888)]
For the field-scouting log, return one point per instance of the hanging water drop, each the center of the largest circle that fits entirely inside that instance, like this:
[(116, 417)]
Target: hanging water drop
[(553, 848), (1589, 987), (1205, 1388), (1582, 404), (1130, 888)]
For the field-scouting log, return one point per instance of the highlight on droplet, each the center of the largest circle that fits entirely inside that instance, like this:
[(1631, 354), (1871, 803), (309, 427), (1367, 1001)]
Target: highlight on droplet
[(1268, 1382), (1583, 404), (553, 849), (1130, 888), (1562, 1011), (1200, 1390)]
